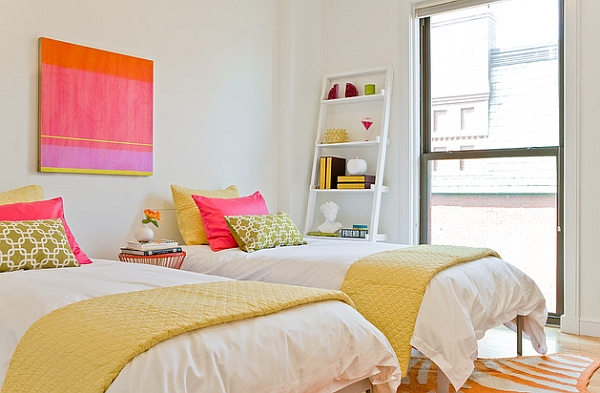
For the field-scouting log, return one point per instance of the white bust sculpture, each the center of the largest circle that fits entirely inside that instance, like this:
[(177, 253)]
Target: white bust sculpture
[(330, 210)]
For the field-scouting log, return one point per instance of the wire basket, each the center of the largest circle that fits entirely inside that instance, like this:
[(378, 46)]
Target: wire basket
[(173, 260)]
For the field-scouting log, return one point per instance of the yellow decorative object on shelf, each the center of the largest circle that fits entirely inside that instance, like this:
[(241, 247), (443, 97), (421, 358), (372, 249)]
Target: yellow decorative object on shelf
[(336, 135)]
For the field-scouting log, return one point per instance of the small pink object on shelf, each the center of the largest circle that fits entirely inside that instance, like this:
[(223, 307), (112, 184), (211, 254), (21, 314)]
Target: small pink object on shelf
[(367, 122), (333, 92), (351, 90)]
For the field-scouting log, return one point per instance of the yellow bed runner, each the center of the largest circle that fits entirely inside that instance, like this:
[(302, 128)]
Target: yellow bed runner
[(82, 347), (387, 287)]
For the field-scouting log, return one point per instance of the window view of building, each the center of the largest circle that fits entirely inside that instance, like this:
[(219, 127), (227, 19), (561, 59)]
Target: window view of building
[(495, 88)]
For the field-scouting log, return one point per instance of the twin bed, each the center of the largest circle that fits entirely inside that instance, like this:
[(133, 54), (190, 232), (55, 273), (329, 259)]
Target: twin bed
[(460, 303), (319, 347)]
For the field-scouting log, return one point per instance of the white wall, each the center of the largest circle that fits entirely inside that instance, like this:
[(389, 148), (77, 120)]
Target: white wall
[(300, 32), (589, 126), (355, 35), (215, 65)]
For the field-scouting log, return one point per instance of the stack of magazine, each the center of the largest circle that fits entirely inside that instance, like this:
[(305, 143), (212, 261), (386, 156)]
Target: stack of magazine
[(153, 247)]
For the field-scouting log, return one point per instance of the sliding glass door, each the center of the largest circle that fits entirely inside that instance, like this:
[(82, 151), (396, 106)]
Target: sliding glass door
[(491, 137)]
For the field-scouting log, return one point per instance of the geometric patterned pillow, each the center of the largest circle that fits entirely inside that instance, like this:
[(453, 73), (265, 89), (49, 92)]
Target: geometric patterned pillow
[(256, 232), (34, 244)]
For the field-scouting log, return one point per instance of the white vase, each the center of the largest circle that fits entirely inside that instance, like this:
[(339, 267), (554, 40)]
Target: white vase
[(144, 233), (356, 166)]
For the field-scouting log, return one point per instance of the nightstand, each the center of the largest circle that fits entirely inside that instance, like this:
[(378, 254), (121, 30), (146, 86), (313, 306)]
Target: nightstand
[(172, 260)]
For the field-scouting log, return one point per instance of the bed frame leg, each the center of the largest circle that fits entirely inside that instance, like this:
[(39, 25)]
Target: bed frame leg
[(443, 384), (519, 335)]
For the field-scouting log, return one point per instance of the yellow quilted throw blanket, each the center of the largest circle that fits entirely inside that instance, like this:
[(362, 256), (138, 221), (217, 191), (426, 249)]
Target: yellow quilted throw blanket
[(82, 347), (387, 287)]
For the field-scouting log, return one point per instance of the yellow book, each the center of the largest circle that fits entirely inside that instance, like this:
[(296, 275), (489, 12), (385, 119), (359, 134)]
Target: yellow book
[(335, 167), (328, 173), (322, 166), (356, 179), (354, 186)]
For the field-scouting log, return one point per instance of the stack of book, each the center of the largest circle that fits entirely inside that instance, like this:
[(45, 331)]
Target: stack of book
[(360, 182), (358, 231), (330, 169), (154, 247)]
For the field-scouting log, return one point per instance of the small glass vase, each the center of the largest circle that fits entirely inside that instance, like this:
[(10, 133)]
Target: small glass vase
[(144, 233)]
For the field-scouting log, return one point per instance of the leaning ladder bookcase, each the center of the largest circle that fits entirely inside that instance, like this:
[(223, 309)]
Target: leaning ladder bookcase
[(364, 205)]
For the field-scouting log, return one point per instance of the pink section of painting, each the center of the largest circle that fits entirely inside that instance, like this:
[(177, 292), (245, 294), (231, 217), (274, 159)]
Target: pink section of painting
[(85, 104), (55, 156), (80, 109)]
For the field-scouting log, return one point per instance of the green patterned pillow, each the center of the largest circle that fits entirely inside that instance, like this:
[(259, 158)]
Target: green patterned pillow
[(255, 232), (34, 244)]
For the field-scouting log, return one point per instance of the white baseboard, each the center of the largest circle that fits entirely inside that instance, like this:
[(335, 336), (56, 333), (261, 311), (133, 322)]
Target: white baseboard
[(581, 327), (589, 328), (569, 325)]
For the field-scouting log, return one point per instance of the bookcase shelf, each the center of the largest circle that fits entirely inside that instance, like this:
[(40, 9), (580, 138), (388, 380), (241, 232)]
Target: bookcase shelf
[(350, 144), (357, 206), (384, 190), (347, 100)]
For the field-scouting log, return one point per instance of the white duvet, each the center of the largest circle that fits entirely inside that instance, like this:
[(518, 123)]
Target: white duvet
[(319, 347), (459, 305)]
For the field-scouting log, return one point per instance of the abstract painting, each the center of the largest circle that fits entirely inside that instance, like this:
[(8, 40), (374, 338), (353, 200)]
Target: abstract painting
[(95, 111)]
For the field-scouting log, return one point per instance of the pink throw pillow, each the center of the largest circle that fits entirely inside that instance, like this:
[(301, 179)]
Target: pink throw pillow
[(42, 210), (214, 210)]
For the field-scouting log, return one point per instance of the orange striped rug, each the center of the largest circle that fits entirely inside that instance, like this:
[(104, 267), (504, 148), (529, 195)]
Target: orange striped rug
[(562, 372)]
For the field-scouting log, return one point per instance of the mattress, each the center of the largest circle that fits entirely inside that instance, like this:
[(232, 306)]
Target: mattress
[(474, 296), (320, 347)]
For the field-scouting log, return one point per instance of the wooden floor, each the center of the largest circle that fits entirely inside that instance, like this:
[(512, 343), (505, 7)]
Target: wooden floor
[(501, 342)]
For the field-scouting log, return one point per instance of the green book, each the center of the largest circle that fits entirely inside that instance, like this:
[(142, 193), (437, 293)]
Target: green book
[(318, 233)]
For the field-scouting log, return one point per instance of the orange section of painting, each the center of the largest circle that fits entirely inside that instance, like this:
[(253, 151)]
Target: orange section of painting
[(64, 54)]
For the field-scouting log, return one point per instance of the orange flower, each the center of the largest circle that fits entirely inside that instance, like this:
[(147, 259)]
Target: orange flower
[(151, 216)]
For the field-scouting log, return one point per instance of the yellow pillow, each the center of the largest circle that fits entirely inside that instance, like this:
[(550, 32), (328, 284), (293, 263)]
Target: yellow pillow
[(189, 220), (30, 193)]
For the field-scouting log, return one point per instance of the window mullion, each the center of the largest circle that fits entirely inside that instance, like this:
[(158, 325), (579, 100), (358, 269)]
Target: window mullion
[(474, 154)]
